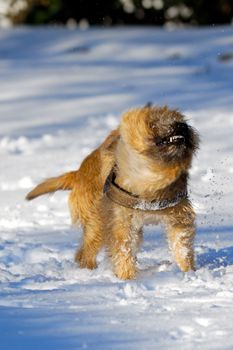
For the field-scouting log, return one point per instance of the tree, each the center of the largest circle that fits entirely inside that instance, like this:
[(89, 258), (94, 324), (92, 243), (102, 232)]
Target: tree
[(112, 12)]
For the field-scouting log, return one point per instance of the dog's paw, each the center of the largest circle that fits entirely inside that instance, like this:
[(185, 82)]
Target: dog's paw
[(126, 272), (84, 260), (186, 265)]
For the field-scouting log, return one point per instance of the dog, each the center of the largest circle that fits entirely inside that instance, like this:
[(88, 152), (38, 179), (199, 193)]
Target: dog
[(137, 176)]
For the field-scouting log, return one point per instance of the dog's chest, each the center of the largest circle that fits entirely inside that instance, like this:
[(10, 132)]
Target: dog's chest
[(135, 174), (140, 219)]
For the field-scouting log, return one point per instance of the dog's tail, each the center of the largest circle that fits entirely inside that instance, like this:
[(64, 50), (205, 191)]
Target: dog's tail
[(63, 182)]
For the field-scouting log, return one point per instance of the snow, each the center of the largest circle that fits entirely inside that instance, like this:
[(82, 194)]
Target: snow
[(61, 92)]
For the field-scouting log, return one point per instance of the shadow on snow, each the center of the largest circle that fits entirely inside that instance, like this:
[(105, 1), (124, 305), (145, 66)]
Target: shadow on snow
[(215, 258)]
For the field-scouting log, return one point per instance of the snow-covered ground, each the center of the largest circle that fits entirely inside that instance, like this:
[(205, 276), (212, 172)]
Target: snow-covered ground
[(61, 91)]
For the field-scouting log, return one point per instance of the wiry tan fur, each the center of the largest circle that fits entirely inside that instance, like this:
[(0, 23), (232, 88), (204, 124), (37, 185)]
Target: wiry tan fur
[(142, 169)]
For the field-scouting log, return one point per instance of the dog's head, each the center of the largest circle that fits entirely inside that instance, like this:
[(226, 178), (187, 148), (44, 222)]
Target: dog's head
[(159, 133)]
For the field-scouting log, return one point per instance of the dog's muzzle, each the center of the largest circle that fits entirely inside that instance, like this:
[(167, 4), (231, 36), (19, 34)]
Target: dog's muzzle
[(177, 137)]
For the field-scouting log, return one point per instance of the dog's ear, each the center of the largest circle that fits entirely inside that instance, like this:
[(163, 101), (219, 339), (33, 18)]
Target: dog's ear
[(108, 153), (111, 141)]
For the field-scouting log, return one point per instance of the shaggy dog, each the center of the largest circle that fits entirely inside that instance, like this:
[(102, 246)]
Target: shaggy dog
[(137, 176)]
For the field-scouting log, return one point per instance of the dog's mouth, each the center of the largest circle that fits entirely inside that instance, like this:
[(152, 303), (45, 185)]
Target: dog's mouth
[(178, 137), (170, 140)]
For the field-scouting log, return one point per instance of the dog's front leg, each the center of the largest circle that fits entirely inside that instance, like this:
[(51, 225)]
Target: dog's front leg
[(124, 236), (180, 234), (181, 244)]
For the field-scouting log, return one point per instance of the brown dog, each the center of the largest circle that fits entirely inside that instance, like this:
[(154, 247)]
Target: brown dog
[(137, 176)]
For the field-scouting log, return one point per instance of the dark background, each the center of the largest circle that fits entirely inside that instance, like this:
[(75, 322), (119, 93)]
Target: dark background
[(126, 12)]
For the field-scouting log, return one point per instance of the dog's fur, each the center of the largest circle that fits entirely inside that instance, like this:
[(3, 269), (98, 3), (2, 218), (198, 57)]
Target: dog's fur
[(146, 165)]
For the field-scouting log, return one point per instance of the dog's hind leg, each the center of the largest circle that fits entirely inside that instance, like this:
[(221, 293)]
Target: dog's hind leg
[(92, 243)]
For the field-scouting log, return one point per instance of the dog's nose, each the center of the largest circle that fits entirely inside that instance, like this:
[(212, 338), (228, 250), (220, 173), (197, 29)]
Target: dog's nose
[(181, 128)]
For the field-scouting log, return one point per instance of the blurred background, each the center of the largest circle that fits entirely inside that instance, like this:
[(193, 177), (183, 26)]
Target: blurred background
[(116, 12)]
